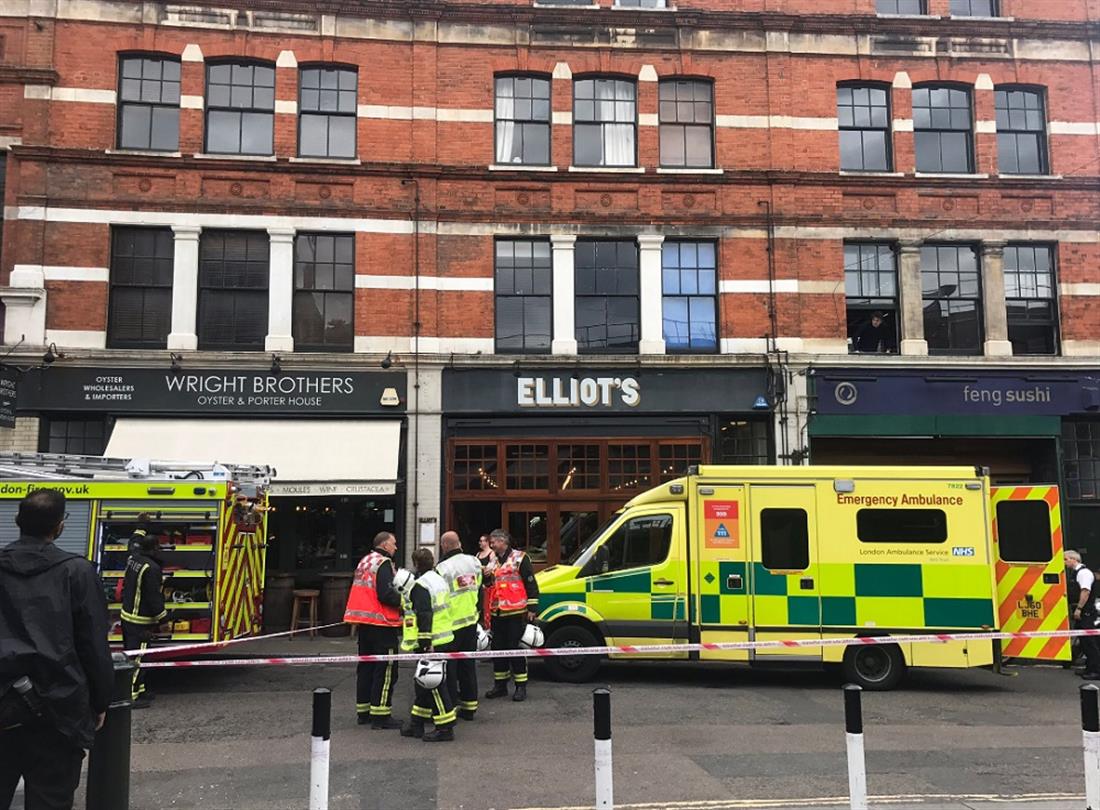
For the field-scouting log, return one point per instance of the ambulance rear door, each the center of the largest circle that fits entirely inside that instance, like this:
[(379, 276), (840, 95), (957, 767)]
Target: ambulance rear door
[(1031, 582)]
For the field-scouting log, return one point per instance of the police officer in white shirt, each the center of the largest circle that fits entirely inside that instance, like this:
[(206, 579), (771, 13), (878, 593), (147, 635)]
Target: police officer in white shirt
[(1080, 583)]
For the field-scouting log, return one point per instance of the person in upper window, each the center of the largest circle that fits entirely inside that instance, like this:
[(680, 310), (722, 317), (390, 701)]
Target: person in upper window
[(875, 336)]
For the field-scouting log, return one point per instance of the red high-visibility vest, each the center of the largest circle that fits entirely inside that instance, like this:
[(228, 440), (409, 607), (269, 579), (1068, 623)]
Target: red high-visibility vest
[(364, 606), (508, 594)]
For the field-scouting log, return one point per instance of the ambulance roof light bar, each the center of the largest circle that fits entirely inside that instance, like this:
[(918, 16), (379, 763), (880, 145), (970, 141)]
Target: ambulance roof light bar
[(52, 466)]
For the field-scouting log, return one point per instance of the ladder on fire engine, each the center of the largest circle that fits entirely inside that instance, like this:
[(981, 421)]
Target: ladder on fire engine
[(57, 466)]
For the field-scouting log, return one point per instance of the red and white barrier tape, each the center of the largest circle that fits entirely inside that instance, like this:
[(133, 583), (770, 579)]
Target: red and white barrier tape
[(550, 652), (156, 652)]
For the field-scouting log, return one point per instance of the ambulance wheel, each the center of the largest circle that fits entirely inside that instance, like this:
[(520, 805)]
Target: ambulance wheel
[(876, 668), (576, 669)]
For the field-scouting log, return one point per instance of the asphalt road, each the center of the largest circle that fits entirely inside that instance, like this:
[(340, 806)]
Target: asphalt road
[(684, 736)]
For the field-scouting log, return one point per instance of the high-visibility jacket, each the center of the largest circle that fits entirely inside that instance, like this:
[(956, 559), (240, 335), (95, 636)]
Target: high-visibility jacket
[(427, 613), (509, 592), (142, 597), (364, 606), (463, 575)]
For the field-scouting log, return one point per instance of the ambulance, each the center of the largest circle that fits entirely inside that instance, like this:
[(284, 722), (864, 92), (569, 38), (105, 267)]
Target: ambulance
[(735, 554)]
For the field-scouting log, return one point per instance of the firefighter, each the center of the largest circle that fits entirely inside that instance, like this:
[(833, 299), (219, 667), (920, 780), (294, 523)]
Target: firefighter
[(428, 626), (375, 604), (511, 600), (142, 605), (463, 575)]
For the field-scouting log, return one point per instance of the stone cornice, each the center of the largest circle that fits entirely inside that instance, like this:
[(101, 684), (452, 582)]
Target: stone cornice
[(14, 74)]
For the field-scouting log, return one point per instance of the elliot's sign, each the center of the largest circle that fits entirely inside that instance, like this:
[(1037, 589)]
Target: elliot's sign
[(574, 392)]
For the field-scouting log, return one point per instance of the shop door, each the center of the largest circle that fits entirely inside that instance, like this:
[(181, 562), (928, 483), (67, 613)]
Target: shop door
[(528, 523), (784, 583)]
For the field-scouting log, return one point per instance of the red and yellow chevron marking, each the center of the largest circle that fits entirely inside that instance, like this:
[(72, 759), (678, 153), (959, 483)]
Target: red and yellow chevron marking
[(1025, 602)]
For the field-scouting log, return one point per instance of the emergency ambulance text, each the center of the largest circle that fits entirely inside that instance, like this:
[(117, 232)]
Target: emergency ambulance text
[(893, 501)]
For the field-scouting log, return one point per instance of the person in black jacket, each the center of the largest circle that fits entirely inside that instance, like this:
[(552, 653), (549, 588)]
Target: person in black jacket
[(53, 626), (142, 605)]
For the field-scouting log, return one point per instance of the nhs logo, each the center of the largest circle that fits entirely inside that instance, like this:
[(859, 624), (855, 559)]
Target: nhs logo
[(962, 551)]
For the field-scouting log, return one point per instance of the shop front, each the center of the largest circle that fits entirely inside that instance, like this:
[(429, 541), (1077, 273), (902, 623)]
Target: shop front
[(334, 438), (550, 454), (1026, 426)]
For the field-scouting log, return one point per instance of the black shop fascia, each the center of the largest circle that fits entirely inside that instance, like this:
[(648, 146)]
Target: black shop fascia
[(335, 439), (550, 453)]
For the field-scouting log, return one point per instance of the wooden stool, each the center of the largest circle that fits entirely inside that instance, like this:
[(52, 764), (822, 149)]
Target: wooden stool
[(307, 597)]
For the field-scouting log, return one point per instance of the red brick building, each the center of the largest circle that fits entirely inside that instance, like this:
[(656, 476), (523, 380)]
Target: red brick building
[(505, 262)]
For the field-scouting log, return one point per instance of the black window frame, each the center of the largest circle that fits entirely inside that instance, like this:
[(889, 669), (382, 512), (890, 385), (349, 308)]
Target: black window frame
[(205, 290), (662, 124), (594, 121), (210, 107), (863, 301), (524, 122), (352, 114), (953, 296), (57, 433), (1006, 113), (941, 131), (302, 268), (955, 11), (691, 348), (890, 522), (1081, 459), (584, 346), (921, 4), (1052, 321), (160, 105), (886, 129), (547, 298), (163, 238)]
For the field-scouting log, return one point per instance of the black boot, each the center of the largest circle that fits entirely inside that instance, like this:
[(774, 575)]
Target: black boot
[(383, 723), (500, 689), (413, 728), (521, 693), (465, 714), (362, 719), (445, 734)]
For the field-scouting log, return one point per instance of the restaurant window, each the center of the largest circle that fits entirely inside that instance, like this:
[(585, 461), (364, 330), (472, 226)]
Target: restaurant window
[(1081, 459), (686, 118), (863, 112), (523, 279), (673, 459), (233, 283), (952, 299), (140, 309), (605, 122), (475, 467), (76, 436), (784, 539), (527, 466), (629, 466), (324, 292), (689, 281), (1030, 298), (743, 441), (1021, 131), (871, 296), (149, 103), (327, 109), (901, 6), (240, 108), (974, 8), (578, 467), (607, 297), (523, 120), (944, 130)]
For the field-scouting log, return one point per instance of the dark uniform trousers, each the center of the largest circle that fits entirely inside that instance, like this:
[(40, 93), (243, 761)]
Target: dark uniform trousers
[(435, 705), (375, 680), (47, 761), (137, 637), (507, 631), (462, 675), (1090, 645)]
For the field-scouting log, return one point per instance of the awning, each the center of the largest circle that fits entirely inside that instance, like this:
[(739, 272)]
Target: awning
[(311, 457)]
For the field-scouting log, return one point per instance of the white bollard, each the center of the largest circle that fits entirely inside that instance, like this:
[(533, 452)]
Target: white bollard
[(601, 708), (857, 760), (319, 745), (1090, 730)]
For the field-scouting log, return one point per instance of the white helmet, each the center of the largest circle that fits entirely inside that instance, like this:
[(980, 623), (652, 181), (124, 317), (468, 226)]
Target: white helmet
[(484, 639), (403, 580), (430, 674), (532, 636)]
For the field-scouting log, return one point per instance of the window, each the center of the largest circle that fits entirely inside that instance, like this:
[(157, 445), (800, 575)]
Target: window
[(140, 311), (324, 292), (943, 129), (233, 276), (974, 8), (475, 467), (901, 525), (629, 466), (1021, 131), (871, 291), (1081, 459), (675, 458), (79, 436), (1023, 531), (640, 3), (605, 122), (523, 302), (3, 175), (690, 287), (687, 124), (240, 109), (578, 467), (638, 543), (743, 441), (784, 539), (523, 120), (327, 108), (607, 303), (864, 115), (1030, 298), (527, 466), (952, 299), (149, 103), (901, 7)]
